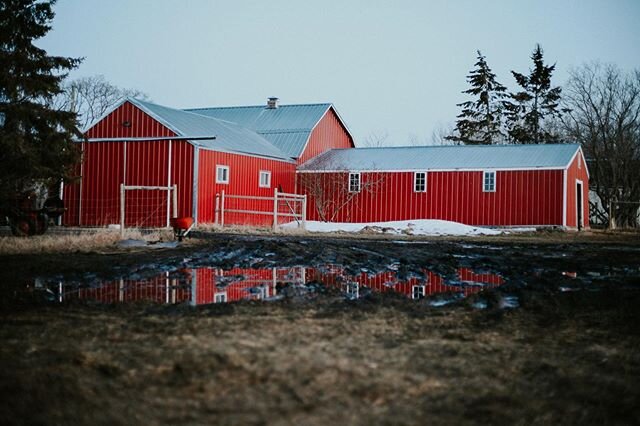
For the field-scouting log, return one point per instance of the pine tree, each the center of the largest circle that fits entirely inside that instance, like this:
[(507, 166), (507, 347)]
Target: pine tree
[(535, 103), (480, 122), (35, 141)]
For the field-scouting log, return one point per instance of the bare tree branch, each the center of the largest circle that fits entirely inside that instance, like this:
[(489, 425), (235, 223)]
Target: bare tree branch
[(91, 98), (603, 114), (375, 140)]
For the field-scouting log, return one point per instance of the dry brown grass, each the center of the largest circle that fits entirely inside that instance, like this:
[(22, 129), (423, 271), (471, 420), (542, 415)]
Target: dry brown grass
[(80, 241)]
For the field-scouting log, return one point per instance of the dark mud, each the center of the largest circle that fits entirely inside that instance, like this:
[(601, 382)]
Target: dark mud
[(568, 354)]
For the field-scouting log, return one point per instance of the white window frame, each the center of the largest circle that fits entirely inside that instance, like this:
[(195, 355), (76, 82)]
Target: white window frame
[(220, 297), (415, 181), (351, 289), (351, 188), (484, 180), (219, 178), (418, 291), (266, 173)]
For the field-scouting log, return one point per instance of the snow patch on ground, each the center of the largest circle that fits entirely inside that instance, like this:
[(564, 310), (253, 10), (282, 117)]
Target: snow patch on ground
[(406, 227)]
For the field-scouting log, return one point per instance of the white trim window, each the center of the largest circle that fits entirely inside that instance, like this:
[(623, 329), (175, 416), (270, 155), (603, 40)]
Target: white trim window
[(222, 174), (220, 297), (420, 182), (354, 182), (489, 181), (264, 179), (418, 291)]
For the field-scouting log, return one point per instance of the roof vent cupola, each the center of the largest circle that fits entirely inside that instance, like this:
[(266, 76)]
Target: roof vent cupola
[(272, 103)]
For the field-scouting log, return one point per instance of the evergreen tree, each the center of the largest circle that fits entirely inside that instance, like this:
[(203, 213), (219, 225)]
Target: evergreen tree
[(535, 103), (479, 123), (35, 141)]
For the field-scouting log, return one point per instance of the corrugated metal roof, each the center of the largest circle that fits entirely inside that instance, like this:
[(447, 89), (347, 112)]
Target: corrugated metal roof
[(288, 127), (230, 137), (444, 158)]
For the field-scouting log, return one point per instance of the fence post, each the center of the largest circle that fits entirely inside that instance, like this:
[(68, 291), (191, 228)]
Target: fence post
[(216, 209), (222, 210), (175, 201), (612, 221), (122, 196), (275, 209), (304, 213)]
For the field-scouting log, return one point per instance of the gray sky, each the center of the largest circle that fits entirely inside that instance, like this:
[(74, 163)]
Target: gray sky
[(394, 67)]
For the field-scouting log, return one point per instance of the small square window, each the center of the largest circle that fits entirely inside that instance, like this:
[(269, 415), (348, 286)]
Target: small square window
[(351, 289), (264, 180), (354, 182), (222, 174), (220, 298), (489, 182), (417, 291), (420, 182)]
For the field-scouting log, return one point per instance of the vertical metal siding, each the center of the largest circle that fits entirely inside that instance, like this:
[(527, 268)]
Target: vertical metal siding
[(243, 180), (327, 134), (523, 197), (103, 170), (573, 175)]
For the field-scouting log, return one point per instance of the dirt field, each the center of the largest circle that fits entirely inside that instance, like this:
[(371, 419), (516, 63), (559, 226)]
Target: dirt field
[(567, 355)]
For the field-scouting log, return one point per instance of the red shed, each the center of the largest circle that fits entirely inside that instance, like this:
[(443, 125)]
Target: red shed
[(241, 150), (495, 185)]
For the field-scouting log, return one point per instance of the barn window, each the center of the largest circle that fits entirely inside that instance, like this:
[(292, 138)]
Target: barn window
[(489, 182), (220, 298), (420, 182), (222, 174), (264, 180), (354, 182), (417, 291)]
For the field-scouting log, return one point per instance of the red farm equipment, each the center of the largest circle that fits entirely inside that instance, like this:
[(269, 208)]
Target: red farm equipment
[(29, 213)]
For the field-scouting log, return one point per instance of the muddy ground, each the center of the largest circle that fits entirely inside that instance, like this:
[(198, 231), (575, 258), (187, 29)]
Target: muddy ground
[(568, 354)]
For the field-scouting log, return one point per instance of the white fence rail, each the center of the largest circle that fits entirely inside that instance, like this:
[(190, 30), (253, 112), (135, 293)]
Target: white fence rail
[(281, 206)]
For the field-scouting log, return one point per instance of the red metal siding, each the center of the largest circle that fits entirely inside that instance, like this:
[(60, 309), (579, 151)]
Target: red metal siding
[(329, 133), (95, 201), (575, 173), (527, 197), (243, 180), (384, 282)]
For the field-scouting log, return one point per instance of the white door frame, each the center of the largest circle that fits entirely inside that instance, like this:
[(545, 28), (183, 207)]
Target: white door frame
[(580, 208)]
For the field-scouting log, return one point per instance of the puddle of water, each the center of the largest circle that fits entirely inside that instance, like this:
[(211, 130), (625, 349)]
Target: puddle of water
[(200, 286)]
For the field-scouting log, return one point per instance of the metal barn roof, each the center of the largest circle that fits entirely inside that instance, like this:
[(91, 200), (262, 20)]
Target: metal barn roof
[(229, 136), (288, 127), (444, 158)]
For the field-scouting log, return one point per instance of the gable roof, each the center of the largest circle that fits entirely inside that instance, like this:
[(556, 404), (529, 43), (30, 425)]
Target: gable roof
[(462, 157), (288, 127), (229, 137)]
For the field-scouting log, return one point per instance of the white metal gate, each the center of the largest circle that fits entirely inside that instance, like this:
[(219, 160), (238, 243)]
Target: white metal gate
[(282, 207)]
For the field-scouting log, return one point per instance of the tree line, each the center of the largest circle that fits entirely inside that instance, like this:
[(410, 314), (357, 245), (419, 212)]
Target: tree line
[(598, 107)]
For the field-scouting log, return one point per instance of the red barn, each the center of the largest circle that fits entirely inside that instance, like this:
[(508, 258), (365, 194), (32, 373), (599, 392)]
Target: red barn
[(248, 152), (242, 150), (495, 185)]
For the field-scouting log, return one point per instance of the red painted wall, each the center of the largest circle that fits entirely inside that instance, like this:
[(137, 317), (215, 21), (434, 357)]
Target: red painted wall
[(328, 134), (243, 180), (527, 197), (95, 199), (388, 282), (577, 170), (199, 286)]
